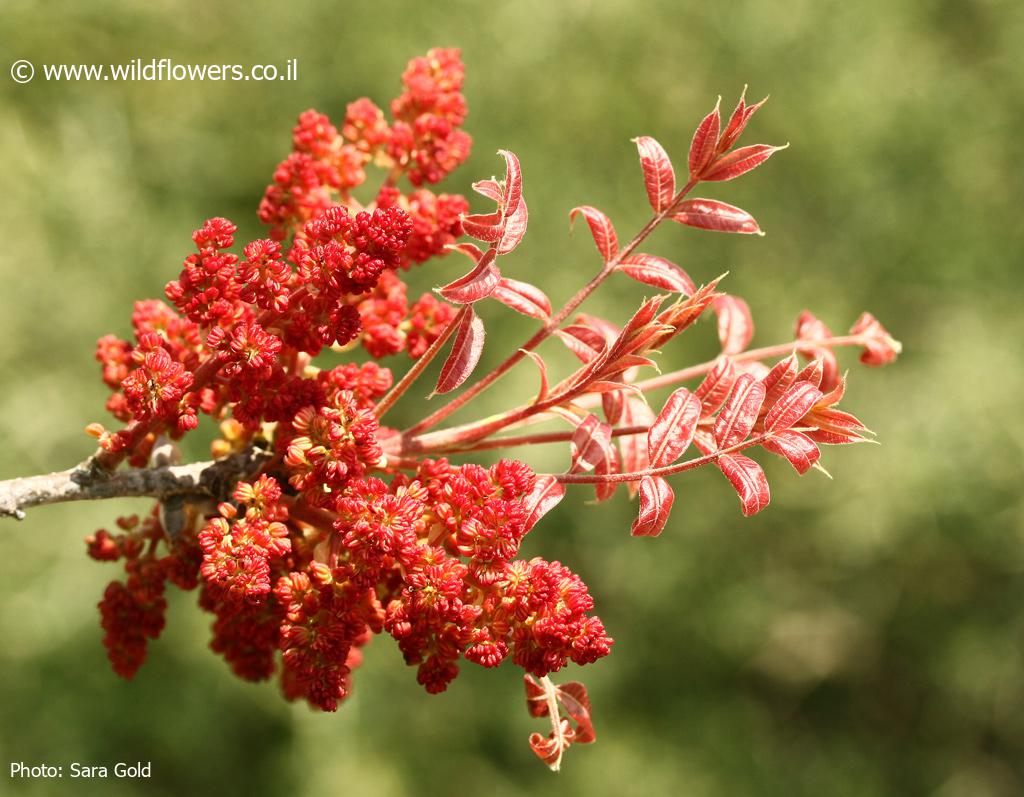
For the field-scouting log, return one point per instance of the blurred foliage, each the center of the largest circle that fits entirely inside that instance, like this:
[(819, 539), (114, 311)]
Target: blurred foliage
[(862, 637)]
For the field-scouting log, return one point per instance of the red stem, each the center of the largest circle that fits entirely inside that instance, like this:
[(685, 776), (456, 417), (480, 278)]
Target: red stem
[(545, 332), (413, 373), (665, 470)]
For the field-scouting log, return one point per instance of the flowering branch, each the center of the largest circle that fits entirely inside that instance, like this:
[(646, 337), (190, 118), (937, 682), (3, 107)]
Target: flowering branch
[(316, 528)]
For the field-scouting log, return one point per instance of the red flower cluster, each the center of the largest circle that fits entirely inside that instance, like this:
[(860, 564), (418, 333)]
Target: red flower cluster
[(343, 528)]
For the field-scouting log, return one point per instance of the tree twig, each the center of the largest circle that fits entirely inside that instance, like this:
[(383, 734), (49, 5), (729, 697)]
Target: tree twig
[(86, 482)]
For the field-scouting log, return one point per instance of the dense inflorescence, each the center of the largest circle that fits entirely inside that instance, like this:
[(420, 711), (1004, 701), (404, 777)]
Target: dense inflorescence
[(345, 528)]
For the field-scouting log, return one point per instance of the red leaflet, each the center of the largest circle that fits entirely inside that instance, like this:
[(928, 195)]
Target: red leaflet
[(794, 404), (778, 380), (512, 191), (601, 228), (740, 413), (541, 698), (582, 341), (658, 273), (835, 427), (656, 499), (477, 284), (740, 161), (716, 386), (515, 227), (659, 177), (672, 431), (710, 214), (590, 444), (748, 480), (705, 140), (607, 466), (543, 368), (809, 327), (613, 403), (546, 493), (879, 347), (523, 298), (486, 227), (465, 353), (735, 323), (812, 373), (489, 188), (737, 122), (634, 446), (797, 448)]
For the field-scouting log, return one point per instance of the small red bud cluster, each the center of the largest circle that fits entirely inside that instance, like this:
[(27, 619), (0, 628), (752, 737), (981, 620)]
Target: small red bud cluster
[(345, 528)]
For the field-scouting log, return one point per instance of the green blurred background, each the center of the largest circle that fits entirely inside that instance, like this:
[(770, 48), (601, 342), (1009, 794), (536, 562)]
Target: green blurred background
[(861, 637)]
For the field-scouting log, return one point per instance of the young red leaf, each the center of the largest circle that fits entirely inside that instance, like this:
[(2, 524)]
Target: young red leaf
[(737, 122), (659, 177), (810, 327), (740, 161), (797, 448), (590, 443), (470, 250), (779, 379), (489, 188), (613, 404), (486, 227), (546, 493), (582, 349), (735, 323), (793, 405), (601, 228), (658, 273), (465, 353), (705, 140), (880, 348), (748, 480), (513, 188), (543, 368), (574, 699), (672, 431), (710, 214), (713, 391), (740, 413), (607, 466), (656, 499), (523, 298), (634, 446), (477, 284), (550, 748), (515, 227)]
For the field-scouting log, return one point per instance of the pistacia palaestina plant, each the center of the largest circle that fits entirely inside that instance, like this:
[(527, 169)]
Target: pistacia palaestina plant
[(316, 525)]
